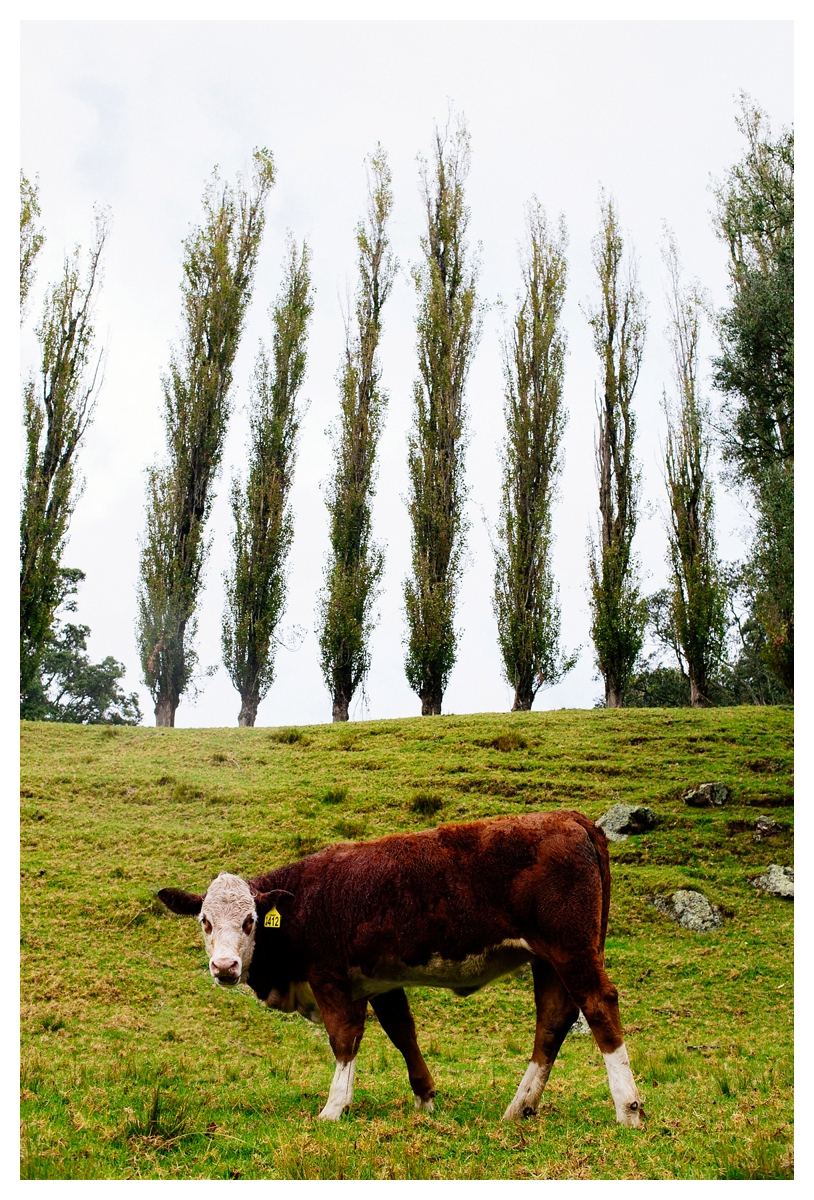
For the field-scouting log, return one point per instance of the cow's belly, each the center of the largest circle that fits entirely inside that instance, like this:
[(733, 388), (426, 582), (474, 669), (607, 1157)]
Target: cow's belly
[(465, 975), (299, 998)]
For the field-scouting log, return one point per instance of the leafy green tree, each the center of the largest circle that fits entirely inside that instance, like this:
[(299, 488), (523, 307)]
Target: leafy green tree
[(72, 688), (656, 686), (57, 411), (739, 675), (256, 583), (448, 328), (755, 370), (697, 594), (525, 597), (746, 678), (355, 562), (31, 238), (618, 612), (219, 264)]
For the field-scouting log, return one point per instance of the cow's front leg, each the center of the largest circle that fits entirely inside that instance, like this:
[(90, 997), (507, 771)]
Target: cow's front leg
[(340, 1096), (345, 1024), (396, 1020), (556, 1013)]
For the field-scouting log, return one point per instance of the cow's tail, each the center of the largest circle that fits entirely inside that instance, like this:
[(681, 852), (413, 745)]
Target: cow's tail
[(600, 845)]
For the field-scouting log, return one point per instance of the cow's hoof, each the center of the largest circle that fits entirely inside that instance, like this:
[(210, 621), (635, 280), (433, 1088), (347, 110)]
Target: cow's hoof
[(631, 1115), (331, 1114), (423, 1105)]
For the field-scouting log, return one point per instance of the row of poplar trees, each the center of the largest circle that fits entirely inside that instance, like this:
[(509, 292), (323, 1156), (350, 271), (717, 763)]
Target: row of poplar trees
[(754, 372)]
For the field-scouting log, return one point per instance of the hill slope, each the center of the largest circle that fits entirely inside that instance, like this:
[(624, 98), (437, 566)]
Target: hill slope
[(133, 1066)]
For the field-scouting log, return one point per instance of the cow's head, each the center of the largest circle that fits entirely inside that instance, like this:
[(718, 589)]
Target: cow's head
[(228, 914)]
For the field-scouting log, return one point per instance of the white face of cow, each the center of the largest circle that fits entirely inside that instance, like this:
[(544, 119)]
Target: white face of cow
[(228, 918)]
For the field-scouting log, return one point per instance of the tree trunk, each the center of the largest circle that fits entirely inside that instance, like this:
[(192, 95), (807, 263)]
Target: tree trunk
[(613, 695), (431, 702), (248, 712), (165, 713), (340, 707), (698, 698), (523, 700)]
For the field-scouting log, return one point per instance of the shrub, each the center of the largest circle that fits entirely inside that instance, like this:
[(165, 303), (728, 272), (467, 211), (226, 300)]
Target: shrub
[(289, 737), (426, 805), (506, 741), (334, 795)]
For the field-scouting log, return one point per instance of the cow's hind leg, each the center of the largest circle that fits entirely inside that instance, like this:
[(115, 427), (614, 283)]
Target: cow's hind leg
[(345, 1024), (396, 1020), (556, 1013), (588, 983)]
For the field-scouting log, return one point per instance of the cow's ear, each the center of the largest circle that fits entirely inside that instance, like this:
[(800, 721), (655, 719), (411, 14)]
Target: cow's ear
[(187, 904), (277, 899)]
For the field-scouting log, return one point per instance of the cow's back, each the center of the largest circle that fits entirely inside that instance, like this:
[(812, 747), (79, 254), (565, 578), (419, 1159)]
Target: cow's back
[(448, 892)]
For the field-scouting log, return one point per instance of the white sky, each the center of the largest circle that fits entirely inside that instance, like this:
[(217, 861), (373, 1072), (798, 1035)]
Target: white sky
[(135, 115)]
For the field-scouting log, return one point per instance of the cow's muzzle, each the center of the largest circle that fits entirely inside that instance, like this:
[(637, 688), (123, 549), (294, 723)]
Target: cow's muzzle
[(225, 970)]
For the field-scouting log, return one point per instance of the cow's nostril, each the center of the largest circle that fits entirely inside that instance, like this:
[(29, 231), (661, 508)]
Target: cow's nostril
[(224, 966)]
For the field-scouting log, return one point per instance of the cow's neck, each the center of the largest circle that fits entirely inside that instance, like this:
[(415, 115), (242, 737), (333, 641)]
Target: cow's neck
[(273, 964)]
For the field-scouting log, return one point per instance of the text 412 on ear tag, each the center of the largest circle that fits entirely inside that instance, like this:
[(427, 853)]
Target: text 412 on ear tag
[(272, 920)]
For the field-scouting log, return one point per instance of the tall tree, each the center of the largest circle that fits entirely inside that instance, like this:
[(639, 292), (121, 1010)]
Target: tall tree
[(31, 238), (697, 592), (355, 562), (448, 327), (618, 322), (57, 411), (525, 598), (256, 583), (219, 263), (755, 371)]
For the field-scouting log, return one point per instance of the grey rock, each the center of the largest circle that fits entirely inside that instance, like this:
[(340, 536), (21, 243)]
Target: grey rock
[(707, 795), (777, 881), (623, 819), (691, 910), (580, 1026), (766, 827)]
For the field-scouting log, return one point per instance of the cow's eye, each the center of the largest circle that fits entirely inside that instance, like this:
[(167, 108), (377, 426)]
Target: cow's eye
[(207, 924), (248, 924)]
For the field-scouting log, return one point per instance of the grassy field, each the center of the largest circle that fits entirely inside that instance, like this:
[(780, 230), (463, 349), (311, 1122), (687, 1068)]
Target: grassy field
[(135, 1066)]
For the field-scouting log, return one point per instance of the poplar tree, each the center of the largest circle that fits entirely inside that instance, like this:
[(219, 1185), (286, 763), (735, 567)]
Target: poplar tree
[(618, 323), (755, 370), (218, 271), (31, 238), (448, 328), (263, 524), (697, 592), (355, 562), (58, 408), (525, 598)]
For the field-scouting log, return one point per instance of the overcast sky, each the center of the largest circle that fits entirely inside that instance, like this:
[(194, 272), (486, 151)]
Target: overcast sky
[(135, 115)]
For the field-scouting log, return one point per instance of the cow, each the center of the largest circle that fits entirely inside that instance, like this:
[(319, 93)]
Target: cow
[(453, 907)]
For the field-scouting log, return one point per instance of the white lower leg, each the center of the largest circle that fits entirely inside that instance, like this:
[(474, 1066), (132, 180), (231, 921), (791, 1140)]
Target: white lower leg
[(341, 1093), (528, 1094), (423, 1105), (623, 1087)]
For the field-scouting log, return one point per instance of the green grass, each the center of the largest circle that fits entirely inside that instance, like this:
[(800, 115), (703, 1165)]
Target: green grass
[(135, 1066)]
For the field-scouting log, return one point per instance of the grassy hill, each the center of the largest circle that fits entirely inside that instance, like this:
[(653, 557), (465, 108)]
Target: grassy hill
[(135, 1066)]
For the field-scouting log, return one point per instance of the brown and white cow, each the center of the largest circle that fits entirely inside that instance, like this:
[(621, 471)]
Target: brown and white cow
[(454, 907)]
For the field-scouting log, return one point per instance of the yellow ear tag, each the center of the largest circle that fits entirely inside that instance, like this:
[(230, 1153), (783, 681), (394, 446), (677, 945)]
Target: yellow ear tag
[(272, 920)]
